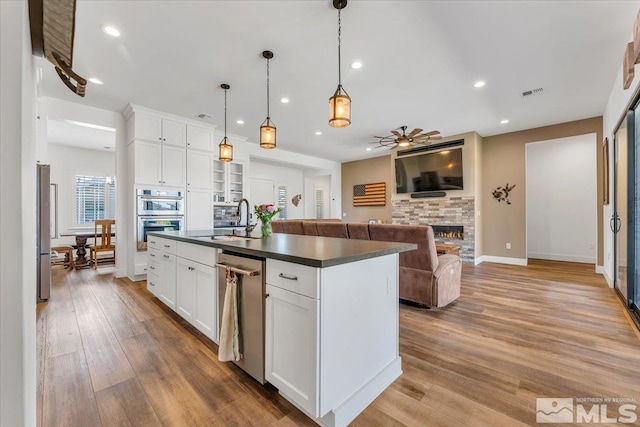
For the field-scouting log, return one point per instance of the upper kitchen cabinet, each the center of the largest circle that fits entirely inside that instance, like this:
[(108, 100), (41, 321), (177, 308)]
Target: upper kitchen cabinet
[(200, 172), (228, 181), (199, 138), (157, 129), (157, 164)]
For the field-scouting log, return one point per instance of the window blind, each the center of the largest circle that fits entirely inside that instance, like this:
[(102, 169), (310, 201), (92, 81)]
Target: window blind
[(319, 203), (95, 198), (282, 201)]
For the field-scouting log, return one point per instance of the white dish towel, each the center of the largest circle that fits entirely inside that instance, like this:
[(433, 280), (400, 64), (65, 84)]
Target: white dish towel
[(229, 348)]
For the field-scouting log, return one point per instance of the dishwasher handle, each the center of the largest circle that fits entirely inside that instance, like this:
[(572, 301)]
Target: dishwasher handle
[(238, 270)]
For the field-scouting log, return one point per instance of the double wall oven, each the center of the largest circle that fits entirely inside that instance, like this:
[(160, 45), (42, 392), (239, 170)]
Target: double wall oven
[(158, 210)]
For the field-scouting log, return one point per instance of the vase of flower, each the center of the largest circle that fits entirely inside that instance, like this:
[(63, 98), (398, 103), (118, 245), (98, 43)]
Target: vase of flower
[(265, 213)]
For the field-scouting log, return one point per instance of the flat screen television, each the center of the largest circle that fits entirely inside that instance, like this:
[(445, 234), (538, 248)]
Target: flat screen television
[(434, 171)]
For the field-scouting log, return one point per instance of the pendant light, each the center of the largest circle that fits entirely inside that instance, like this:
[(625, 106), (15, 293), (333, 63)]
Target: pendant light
[(225, 150), (340, 102), (267, 129)]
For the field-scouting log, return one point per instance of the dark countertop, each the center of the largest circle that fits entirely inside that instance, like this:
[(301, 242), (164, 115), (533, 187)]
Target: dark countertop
[(307, 250)]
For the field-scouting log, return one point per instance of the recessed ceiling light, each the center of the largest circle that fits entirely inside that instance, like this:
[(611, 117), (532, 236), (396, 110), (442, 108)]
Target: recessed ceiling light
[(318, 132), (369, 149), (479, 83), (109, 30), (356, 65), (284, 100), (96, 81), (240, 122), (504, 121)]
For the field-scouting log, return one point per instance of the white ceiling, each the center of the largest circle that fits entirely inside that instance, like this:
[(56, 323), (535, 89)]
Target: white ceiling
[(62, 132), (420, 60)]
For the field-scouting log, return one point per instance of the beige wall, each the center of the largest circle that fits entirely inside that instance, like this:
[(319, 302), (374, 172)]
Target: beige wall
[(503, 161), (377, 169)]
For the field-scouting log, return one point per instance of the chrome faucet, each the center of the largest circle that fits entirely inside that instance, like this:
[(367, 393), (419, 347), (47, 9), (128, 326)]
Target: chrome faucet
[(248, 228)]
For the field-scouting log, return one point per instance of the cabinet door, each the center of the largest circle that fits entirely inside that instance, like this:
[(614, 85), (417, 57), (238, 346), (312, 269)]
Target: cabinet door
[(199, 209), (168, 280), (174, 133), (153, 283), (174, 166), (148, 128), (200, 169), (148, 163), (185, 289), (206, 313), (291, 334), (199, 138)]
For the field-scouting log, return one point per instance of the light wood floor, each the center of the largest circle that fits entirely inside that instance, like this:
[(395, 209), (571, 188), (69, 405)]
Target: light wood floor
[(110, 354)]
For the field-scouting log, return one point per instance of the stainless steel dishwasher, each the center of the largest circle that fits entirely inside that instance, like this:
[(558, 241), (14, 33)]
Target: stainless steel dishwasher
[(251, 291)]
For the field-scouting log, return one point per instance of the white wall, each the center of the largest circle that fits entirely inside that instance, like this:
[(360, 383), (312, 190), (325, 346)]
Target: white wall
[(66, 162), (290, 177), (17, 219), (562, 199), (616, 108)]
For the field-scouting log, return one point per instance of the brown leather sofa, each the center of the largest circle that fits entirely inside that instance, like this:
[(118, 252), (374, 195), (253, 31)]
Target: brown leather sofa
[(425, 277)]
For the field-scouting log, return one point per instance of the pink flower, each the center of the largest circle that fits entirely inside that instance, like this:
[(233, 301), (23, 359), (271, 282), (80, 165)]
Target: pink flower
[(270, 208)]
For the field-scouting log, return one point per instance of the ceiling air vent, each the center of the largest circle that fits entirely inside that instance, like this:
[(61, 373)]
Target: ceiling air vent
[(204, 116), (531, 92)]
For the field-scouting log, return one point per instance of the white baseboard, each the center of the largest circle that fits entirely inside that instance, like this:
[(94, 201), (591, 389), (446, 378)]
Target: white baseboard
[(562, 257), (600, 269), (501, 260), (122, 272), (607, 278)]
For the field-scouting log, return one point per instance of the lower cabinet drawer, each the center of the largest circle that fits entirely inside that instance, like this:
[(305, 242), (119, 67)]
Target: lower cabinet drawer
[(297, 278), (159, 243), (153, 283)]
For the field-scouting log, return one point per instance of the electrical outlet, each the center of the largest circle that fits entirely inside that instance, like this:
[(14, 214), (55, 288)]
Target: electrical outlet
[(508, 245), (344, 214)]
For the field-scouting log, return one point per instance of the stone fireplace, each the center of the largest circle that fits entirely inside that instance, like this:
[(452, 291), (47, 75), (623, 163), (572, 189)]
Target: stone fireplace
[(452, 219)]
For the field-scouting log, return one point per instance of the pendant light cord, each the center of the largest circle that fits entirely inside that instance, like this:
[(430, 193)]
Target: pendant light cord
[(268, 115), (339, 42), (225, 115)]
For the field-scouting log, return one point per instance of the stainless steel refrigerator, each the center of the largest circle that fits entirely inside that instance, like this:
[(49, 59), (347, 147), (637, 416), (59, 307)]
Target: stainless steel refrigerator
[(43, 212)]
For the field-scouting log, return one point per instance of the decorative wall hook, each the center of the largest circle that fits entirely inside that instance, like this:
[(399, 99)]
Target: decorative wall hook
[(501, 194), (296, 199)]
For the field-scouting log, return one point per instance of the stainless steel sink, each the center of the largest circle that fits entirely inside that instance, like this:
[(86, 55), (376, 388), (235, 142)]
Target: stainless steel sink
[(224, 238)]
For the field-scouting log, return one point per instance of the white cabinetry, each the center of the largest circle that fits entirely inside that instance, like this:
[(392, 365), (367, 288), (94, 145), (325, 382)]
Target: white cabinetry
[(184, 278), (325, 353), (200, 172), (199, 138), (228, 181), (199, 209), (156, 129), (158, 164)]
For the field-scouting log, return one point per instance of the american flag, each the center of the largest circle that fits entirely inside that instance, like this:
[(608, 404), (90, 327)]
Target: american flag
[(370, 194)]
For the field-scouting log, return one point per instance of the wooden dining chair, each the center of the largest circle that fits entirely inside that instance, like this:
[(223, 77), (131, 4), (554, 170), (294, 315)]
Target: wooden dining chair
[(104, 234)]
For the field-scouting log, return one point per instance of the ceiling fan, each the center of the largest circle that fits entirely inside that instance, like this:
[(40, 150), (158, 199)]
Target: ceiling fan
[(405, 140)]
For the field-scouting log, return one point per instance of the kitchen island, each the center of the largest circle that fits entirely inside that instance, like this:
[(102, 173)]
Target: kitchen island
[(331, 311)]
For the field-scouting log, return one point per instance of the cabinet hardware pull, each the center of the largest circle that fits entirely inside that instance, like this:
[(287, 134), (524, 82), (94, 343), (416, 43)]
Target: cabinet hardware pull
[(266, 295), (153, 255), (284, 276), (166, 256), (167, 246), (152, 267), (152, 284)]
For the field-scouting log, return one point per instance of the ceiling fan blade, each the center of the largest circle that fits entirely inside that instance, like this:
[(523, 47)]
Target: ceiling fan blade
[(433, 132), (396, 133), (433, 138), (414, 132)]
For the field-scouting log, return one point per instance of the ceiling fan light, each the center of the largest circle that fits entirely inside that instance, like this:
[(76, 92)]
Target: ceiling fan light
[(340, 109), (267, 135), (225, 151), (404, 143)]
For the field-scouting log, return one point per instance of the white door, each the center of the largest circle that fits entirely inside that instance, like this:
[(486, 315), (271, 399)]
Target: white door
[(291, 346), (148, 166), (200, 138), (148, 127), (206, 313), (168, 280), (174, 133), (185, 289), (174, 166), (199, 209), (199, 169)]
